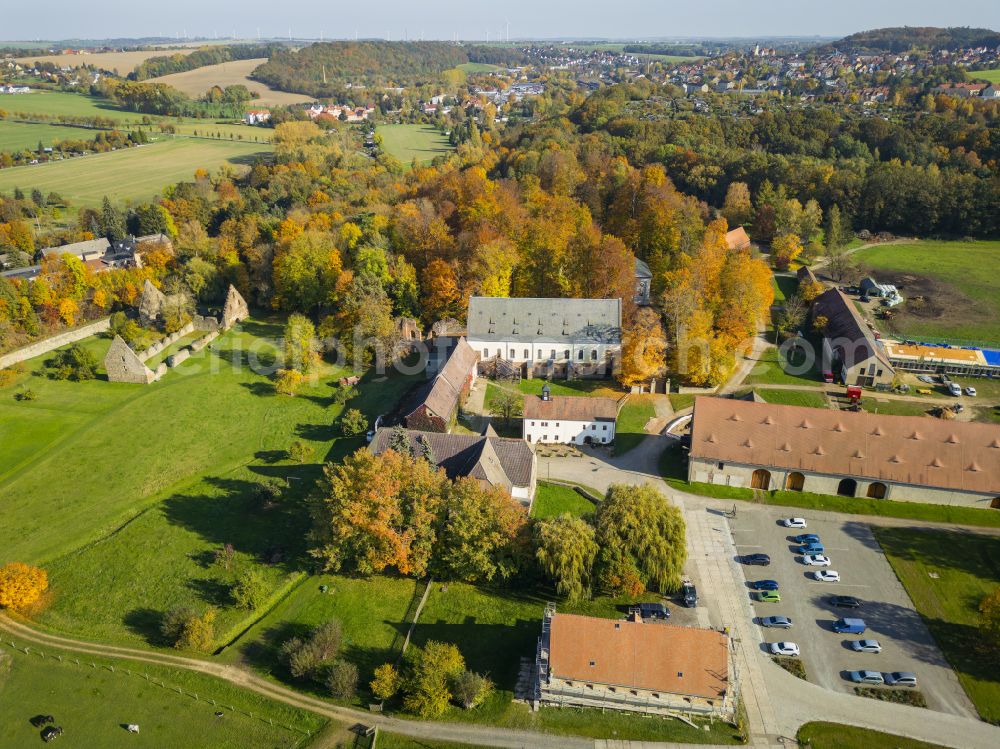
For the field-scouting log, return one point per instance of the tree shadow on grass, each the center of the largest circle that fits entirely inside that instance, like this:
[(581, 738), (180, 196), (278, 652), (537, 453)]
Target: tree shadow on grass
[(146, 623), (315, 432), (213, 592), (236, 516), (262, 389)]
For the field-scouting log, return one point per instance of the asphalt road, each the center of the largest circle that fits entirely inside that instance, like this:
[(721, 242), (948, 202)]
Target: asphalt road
[(865, 573)]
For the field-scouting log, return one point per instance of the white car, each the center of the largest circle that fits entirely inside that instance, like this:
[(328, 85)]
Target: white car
[(866, 646), (970, 391), (794, 522), (826, 576), (784, 648), (816, 560)]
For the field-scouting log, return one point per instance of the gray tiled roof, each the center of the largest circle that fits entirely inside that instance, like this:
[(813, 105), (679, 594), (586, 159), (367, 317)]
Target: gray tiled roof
[(549, 320), (642, 269), (90, 246), (845, 325), (441, 395), (499, 461)]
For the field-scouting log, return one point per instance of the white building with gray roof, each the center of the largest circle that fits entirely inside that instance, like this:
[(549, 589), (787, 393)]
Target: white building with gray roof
[(569, 337)]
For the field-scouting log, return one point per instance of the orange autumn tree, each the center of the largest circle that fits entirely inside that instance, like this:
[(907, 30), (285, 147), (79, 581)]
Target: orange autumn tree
[(643, 348), (376, 512), (442, 297), (21, 585)]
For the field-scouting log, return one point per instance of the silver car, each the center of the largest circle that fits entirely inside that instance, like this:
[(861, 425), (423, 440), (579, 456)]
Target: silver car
[(901, 679), (866, 646), (867, 677)]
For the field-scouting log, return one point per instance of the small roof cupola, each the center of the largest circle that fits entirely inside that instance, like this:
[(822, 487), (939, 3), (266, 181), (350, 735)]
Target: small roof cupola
[(546, 392)]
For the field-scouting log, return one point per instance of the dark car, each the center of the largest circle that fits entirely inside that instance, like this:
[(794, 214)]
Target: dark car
[(651, 610), (845, 602), (690, 594), (807, 538), (764, 584), (762, 560)]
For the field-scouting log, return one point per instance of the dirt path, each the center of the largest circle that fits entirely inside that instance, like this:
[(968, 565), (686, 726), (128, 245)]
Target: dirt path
[(462, 733)]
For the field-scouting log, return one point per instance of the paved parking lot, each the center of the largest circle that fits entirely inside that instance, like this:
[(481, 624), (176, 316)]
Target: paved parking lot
[(865, 573)]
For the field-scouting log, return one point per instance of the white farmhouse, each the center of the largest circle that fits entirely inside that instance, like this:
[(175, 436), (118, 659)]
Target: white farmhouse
[(569, 420), (548, 337)]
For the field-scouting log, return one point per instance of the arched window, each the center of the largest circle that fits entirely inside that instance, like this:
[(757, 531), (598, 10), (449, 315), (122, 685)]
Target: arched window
[(761, 479), (847, 487), (876, 490), (795, 481)]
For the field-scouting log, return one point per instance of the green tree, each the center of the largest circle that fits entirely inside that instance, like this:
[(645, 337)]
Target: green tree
[(566, 551), (471, 689), (112, 221), (342, 680), (737, 208), (834, 230), (300, 451), (353, 423), (507, 405), (301, 349), (431, 670), (189, 631), (989, 618), (641, 536), (250, 590), (483, 537), (75, 363), (306, 272)]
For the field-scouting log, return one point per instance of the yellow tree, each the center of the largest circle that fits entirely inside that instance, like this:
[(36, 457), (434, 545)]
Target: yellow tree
[(643, 348), (785, 249), (21, 585)]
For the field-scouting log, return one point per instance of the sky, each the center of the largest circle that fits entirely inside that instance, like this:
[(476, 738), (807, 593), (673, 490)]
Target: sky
[(474, 19)]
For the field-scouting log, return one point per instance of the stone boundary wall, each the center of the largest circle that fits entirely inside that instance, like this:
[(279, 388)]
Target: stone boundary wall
[(206, 322), (164, 342), (61, 339)]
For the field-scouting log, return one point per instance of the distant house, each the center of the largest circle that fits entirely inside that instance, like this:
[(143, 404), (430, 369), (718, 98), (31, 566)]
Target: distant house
[(738, 239), (256, 116), (991, 92), (643, 281), (496, 461), (434, 405), (961, 90), (632, 666), (850, 346), (548, 337), (569, 420)]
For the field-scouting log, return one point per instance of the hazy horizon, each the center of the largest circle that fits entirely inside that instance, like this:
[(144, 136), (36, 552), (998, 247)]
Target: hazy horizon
[(447, 19)]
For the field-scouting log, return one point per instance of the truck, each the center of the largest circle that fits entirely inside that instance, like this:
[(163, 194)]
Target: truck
[(847, 626)]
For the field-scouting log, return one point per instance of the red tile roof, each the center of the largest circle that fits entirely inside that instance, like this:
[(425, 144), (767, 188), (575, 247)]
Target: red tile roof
[(570, 408), (655, 657)]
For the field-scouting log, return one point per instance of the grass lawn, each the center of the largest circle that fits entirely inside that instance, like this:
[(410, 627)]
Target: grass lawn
[(92, 704), (993, 76), (630, 426), (965, 569), (514, 429), (19, 136), (784, 287), (132, 173), (774, 368), (809, 398), (820, 735), (103, 452), (408, 142), (64, 103), (680, 401), (552, 500), (895, 407), (962, 296), (603, 388), (372, 611), (478, 67)]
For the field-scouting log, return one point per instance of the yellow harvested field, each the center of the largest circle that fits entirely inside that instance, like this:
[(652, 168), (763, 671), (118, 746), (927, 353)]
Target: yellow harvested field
[(196, 82), (123, 62)]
